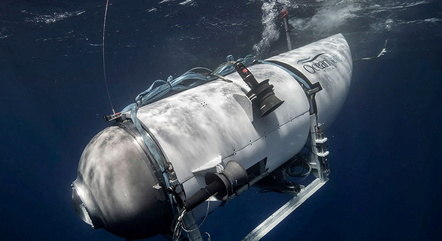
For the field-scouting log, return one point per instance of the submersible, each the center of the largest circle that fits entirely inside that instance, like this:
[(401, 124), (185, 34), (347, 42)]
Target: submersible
[(164, 163)]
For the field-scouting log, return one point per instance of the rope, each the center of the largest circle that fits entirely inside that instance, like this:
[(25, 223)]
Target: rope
[(104, 60), (209, 238), (191, 78), (179, 225), (202, 222)]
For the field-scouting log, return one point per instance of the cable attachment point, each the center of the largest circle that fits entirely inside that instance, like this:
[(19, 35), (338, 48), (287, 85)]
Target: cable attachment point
[(119, 117)]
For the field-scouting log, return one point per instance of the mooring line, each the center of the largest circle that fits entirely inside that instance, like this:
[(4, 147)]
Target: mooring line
[(104, 60)]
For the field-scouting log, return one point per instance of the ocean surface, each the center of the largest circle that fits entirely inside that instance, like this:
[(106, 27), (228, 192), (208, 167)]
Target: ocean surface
[(386, 144)]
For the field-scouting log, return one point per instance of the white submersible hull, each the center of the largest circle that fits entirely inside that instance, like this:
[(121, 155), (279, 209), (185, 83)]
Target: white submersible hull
[(208, 143)]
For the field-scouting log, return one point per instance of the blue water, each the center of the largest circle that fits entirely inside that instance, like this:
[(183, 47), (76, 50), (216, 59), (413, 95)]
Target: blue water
[(385, 144)]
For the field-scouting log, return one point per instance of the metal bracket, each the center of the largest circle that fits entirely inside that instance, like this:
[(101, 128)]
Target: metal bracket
[(213, 165), (318, 158)]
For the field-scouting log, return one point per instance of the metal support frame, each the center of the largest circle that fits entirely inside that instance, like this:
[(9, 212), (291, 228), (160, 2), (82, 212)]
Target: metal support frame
[(318, 161), (283, 212), (194, 233), (318, 157)]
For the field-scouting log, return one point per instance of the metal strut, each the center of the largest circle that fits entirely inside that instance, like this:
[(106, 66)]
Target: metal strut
[(273, 220), (318, 161)]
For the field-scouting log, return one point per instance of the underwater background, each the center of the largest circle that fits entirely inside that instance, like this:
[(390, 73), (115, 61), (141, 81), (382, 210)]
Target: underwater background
[(386, 144)]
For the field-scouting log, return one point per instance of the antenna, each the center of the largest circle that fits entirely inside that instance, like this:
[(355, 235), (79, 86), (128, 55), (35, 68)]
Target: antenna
[(284, 14), (104, 60)]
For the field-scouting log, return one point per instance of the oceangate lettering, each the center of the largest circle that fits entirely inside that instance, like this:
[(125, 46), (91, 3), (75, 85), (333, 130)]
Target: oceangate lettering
[(309, 68), (320, 65)]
